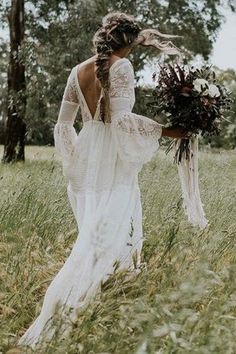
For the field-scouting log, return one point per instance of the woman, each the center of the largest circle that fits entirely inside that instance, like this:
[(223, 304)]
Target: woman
[(101, 165)]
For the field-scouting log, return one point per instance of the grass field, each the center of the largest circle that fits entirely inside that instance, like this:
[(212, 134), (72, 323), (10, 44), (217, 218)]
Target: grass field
[(184, 301)]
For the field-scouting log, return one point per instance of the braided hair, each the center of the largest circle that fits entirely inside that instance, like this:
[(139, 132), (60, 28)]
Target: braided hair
[(118, 30)]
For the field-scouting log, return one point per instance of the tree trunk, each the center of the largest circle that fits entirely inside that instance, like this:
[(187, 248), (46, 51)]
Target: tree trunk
[(15, 126)]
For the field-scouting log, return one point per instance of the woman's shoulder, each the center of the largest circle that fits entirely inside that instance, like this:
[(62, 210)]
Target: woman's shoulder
[(125, 62), (122, 67), (85, 65)]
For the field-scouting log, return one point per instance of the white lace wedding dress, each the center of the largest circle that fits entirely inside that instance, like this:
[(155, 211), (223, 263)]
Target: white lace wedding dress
[(101, 165)]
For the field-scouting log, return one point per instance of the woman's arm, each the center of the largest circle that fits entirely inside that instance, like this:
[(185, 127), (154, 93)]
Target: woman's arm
[(137, 136), (64, 132)]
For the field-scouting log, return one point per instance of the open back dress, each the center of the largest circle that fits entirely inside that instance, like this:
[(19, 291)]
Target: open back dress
[(101, 165)]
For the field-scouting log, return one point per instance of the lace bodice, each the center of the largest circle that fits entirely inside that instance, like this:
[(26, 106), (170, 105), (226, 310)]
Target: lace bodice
[(136, 136), (121, 86)]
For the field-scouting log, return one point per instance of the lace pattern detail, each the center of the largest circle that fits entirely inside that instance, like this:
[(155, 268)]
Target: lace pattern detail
[(122, 92), (140, 125), (64, 137), (71, 92), (121, 87), (122, 81), (84, 112)]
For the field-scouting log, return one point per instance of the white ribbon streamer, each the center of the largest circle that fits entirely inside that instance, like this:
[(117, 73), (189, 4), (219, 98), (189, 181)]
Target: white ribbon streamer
[(188, 174)]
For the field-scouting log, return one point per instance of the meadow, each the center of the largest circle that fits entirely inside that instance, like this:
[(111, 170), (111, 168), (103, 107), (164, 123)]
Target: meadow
[(183, 301)]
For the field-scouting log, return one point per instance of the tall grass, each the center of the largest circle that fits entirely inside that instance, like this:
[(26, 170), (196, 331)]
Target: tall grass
[(183, 301)]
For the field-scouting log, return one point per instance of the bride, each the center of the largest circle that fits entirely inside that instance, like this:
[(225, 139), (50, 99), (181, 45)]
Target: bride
[(101, 165)]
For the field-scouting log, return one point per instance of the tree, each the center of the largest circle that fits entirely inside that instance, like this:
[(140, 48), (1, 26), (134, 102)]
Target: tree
[(15, 132), (3, 88), (15, 125), (58, 35)]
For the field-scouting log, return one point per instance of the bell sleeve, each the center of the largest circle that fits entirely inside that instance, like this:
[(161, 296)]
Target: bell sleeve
[(137, 137), (64, 132)]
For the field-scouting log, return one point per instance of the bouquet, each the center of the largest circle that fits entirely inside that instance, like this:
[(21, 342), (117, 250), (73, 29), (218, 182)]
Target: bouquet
[(194, 100), (191, 99)]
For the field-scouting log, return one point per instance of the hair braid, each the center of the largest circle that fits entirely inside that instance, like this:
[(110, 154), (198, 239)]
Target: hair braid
[(118, 31), (102, 72)]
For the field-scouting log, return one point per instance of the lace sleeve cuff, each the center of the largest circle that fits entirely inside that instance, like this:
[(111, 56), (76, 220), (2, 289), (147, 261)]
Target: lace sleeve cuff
[(137, 136)]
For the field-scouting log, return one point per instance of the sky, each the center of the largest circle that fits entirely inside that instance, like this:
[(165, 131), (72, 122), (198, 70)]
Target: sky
[(224, 51), (224, 54)]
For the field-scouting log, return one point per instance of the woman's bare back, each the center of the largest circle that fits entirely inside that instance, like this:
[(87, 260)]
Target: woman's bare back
[(89, 84)]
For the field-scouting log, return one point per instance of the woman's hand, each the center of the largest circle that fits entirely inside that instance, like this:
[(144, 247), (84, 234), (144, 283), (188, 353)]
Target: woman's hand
[(176, 133)]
